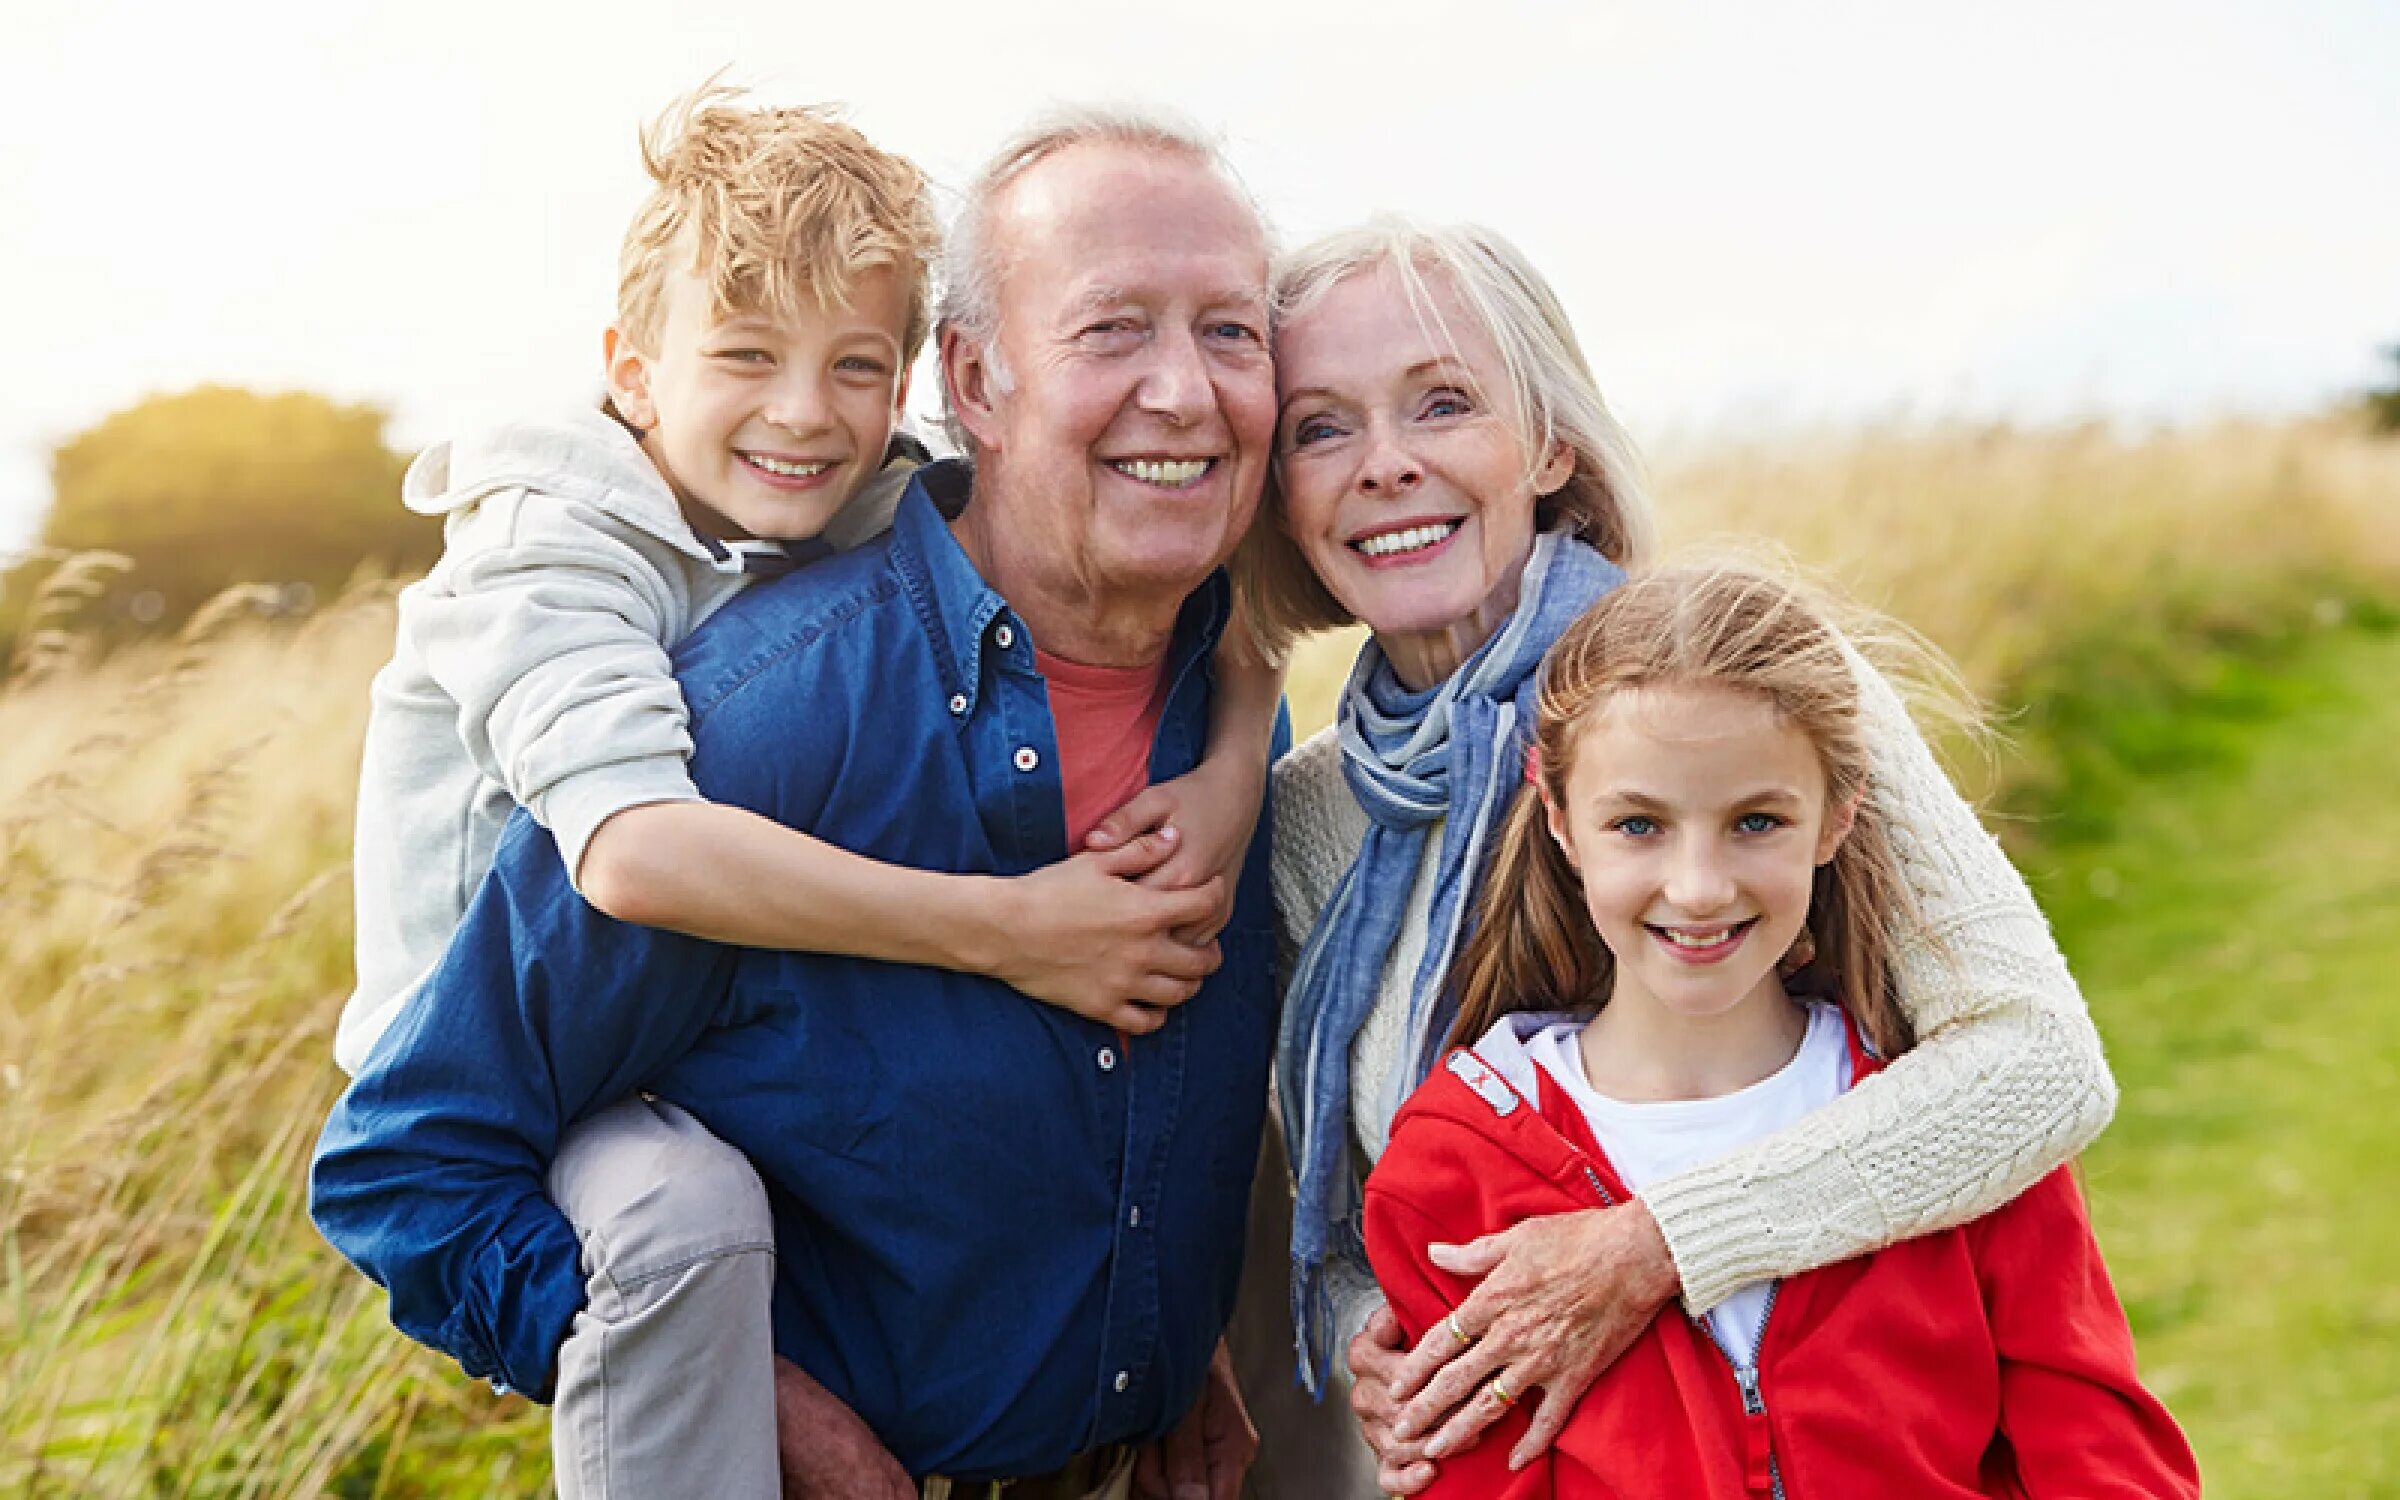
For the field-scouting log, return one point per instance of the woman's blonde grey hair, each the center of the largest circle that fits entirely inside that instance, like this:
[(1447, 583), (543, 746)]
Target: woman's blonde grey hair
[(1603, 500), (973, 261)]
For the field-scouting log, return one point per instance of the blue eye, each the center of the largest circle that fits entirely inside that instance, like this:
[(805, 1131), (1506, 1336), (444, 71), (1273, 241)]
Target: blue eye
[(1757, 822), (1634, 825), (1312, 430), (745, 356), (1448, 402), (1240, 333)]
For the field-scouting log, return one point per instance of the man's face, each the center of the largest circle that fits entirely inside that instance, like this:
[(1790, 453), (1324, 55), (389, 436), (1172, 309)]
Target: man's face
[(1126, 420)]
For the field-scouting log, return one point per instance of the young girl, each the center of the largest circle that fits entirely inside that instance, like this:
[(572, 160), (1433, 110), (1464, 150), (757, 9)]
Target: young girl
[(1682, 948)]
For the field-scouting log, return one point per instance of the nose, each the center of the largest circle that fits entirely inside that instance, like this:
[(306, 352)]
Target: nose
[(1699, 883), (1176, 386), (1388, 470), (798, 403)]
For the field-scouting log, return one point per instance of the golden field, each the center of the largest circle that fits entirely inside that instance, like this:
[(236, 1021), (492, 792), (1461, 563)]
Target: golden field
[(174, 910)]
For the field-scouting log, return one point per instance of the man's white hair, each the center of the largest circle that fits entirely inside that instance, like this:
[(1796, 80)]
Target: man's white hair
[(973, 263)]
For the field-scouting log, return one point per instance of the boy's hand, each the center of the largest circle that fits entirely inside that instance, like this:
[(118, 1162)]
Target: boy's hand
[(827, 1453), (1214, 809), (1091, 935)]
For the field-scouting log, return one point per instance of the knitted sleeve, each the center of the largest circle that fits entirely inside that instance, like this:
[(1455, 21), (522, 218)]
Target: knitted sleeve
[(2006, 1082)]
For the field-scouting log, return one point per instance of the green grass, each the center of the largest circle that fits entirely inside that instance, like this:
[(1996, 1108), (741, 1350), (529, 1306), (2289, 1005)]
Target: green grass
[(2237, 929)]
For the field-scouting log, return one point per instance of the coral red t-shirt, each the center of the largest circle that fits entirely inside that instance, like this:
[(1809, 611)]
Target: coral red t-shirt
[(1106, 718)]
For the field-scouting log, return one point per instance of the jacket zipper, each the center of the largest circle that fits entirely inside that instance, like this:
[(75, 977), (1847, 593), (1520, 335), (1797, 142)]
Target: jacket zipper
[(1754, 1402)]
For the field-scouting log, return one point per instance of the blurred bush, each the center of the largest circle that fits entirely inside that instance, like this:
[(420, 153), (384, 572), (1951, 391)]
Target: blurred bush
[(216, 486), (2383, 406)]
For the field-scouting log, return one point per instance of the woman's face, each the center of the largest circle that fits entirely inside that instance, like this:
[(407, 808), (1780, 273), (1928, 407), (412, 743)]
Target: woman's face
[(1403, 466)]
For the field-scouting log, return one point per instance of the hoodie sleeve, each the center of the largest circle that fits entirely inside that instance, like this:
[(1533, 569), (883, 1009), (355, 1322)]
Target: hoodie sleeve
[(2007, 1080), (1423, 1191), (551, 635), (2072, 1408)]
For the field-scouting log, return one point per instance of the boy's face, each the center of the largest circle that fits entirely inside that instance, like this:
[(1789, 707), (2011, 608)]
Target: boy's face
[(766, 427)]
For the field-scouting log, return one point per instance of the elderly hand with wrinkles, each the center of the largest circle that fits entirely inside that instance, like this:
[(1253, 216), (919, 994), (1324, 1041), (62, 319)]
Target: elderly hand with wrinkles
[(1560, 1298)]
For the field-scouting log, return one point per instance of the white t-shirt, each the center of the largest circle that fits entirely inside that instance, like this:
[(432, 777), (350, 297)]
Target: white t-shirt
[(1649, 1141)]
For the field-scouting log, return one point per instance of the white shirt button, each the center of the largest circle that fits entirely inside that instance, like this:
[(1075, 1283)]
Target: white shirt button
[(1005, 636), (1025, 759), (1134, 1218), (1124, 1379), (1108, 1059), (958, 703)]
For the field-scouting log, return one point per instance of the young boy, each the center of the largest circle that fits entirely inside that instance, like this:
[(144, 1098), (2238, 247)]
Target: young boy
[(773, 293)]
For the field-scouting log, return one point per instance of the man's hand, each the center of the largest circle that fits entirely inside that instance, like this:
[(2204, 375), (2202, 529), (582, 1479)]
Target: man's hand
[(826, 1451), (1561, 1297), (1209, 1451)]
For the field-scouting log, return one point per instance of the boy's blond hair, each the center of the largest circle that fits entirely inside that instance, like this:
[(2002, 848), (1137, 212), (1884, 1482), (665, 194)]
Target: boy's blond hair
[(778, 209)]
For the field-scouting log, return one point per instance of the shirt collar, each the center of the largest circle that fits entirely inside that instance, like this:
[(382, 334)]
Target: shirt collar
[(966, 618)]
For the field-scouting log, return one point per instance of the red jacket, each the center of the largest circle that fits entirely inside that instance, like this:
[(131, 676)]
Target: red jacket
[(1987, 1360)]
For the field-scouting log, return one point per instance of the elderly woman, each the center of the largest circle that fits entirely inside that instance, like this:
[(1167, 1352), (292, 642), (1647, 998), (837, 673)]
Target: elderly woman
[(1447, 474)]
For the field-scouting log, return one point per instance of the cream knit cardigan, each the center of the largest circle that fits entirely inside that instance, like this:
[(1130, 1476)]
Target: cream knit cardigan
[(2006, 1081)]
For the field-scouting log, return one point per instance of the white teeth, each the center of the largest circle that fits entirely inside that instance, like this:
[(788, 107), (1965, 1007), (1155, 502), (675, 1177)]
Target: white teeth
[(1682, 939), (1174, 473), (1414, 539), (787, 470)]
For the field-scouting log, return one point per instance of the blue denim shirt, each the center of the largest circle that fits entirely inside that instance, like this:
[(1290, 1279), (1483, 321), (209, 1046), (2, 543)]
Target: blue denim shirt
[(1004, 1234)]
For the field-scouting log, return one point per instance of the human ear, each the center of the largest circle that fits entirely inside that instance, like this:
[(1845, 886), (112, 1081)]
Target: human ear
[(1558, 466), (967, 381), (900, 392), (1560, 834), (1840, 818), (628, 371)]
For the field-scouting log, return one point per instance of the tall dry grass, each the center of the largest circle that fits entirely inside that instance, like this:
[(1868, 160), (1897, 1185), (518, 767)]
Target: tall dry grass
[(174, 919), (174, 945), (2065, 572)]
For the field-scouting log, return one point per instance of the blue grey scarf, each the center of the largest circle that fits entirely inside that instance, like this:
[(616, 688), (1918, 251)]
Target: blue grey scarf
[(1455, 751)]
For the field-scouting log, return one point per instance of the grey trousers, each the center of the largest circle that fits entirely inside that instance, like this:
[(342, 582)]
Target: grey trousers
[(666, 1385), (1307, 1450)]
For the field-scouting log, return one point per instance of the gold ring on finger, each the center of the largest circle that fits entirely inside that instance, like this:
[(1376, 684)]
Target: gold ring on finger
[(1502, 1392), (1457, 1332)]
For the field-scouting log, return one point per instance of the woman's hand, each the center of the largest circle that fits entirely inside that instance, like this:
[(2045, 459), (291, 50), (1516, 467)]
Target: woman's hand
[(1213, 810), (1561, 1297), (1090, 935), (1377, 1357)]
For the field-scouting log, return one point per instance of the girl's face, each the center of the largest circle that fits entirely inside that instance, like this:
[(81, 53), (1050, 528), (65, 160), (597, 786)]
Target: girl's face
[(1402, 460), (1697, 818)]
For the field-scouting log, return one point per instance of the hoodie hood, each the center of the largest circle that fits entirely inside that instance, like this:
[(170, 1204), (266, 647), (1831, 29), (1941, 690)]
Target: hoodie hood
[(1495, 1091), (584, 456)]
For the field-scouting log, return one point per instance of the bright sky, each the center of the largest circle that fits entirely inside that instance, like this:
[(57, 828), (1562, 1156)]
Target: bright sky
[(1759, 214)]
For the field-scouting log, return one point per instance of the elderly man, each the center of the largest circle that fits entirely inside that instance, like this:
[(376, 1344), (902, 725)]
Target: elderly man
[(1006, 1237)]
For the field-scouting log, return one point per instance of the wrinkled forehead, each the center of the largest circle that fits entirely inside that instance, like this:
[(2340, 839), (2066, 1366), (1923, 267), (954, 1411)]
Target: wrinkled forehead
[(1106, 218)]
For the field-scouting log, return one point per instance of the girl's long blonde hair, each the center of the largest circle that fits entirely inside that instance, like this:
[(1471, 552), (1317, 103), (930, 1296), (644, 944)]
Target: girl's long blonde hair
[(1534, 947)]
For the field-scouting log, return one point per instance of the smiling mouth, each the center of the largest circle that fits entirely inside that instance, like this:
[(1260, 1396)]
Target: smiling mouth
[(1406, 540), (784, 468), (1165, 473), (1702, 944)]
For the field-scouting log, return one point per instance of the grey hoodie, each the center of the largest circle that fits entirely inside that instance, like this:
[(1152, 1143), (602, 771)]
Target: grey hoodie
[(531, 668)]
